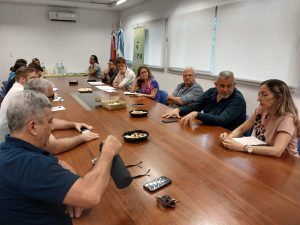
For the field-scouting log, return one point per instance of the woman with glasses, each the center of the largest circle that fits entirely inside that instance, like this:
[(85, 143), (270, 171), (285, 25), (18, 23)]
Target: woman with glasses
[(94, 68), (275, 122)]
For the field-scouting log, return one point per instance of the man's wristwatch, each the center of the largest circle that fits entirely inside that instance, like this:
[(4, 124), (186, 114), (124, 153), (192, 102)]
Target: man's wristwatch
[(248, 148)]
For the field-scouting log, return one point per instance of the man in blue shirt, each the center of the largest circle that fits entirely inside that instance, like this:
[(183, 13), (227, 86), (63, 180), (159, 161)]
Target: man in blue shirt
[(187, 92), (35, 187), (222, 105)]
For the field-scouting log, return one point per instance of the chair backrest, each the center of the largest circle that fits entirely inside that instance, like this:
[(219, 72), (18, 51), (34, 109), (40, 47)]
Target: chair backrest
[(162, 97)]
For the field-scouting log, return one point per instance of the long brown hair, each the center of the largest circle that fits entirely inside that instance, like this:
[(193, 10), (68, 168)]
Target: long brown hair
[(285, 104)]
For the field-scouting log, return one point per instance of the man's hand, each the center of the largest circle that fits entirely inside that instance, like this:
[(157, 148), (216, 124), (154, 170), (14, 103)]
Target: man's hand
[(122, 71), (74, 211), (89, 136), (112, 145), (78, 126), (173, 113), (188, 119)]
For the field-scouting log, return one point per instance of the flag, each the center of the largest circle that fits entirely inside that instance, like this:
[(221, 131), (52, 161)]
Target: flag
[(120, 45), (113, 46)]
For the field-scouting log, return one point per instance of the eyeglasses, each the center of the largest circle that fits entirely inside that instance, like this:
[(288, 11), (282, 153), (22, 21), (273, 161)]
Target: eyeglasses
[(166, 201), (139, 165), (95, 159)]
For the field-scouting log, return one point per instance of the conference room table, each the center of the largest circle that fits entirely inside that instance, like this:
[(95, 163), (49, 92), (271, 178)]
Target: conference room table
[(213, 185)]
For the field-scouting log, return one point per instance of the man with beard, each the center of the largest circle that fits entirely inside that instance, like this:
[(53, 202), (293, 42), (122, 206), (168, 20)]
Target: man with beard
[(222, 105)]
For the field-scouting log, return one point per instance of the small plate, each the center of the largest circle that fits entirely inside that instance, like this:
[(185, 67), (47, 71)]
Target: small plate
[(85, 90), (135, 136), (73, 82), (138, 113)]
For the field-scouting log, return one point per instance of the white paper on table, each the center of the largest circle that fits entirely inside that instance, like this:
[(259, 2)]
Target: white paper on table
[(55, 89), (110, 90), (107, 88), (58, 99), (252, 140), (129, 93), (58, 108), (95, 83)]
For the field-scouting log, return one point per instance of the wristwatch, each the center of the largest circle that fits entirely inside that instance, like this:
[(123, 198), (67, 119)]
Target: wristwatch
[(248, 148)]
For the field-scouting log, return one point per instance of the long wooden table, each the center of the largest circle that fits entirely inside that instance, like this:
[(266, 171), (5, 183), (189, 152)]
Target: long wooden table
[(214, 185)]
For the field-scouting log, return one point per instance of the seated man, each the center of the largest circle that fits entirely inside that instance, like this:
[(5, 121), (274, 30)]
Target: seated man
[(222, 105), (58, 145), (110, 73), (36, 187), (39, 70), (12, 77), (23, 74), (188, 91), (125, 77)]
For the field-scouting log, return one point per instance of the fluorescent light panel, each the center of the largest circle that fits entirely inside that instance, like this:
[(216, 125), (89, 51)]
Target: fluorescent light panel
[(120, 2)]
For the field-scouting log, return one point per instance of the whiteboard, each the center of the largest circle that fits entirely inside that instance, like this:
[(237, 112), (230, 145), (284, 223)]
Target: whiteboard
[(190, 39), (154, 52), (259, 40)]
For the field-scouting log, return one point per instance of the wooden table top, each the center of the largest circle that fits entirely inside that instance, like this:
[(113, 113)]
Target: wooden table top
[(214, 185)]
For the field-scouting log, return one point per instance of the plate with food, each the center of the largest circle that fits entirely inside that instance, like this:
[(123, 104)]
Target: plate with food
[(73, 82), (85, 90), (135, 136), (138, 113)]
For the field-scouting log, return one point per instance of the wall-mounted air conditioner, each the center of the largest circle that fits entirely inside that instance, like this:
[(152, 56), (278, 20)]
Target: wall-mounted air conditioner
[(63, 16)]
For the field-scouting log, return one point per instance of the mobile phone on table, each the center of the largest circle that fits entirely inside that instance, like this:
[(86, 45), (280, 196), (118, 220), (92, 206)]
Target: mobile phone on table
[(171, 120), (157, 183), (84, 130)]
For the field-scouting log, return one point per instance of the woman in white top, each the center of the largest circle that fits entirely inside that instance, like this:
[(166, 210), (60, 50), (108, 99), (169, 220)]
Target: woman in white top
[(275, 121)]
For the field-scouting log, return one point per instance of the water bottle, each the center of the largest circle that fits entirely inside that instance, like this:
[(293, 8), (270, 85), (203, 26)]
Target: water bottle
[(119, 172), (43, 67), (62, 68), (57, 70)]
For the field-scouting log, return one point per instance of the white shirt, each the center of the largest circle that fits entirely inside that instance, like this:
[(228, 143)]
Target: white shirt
[(3, 109), (124, 81)]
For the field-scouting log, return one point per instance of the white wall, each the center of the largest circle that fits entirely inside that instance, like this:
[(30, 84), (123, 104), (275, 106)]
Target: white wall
[(26, 32), (159, 9)]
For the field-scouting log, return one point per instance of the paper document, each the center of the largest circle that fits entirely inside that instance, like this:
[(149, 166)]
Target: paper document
[(252, 140), (107, 88), (96, 83), (58, 108), (129, 93)]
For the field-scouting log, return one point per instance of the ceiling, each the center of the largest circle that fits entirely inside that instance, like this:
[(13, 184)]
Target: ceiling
[(88, 4)]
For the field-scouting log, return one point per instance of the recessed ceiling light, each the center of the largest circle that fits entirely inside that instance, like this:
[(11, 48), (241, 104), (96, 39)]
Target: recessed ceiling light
[(120, 2)]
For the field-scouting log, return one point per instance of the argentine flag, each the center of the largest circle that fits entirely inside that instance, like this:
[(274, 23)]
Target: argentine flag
[(120, 44)]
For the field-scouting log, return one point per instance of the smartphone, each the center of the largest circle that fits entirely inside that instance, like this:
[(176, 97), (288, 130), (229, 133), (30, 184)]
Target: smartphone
[(84, 130), (171, 120), (157, 183), (137, 104)]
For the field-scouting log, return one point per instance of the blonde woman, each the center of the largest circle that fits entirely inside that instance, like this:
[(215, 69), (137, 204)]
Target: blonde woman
[(275, 121)]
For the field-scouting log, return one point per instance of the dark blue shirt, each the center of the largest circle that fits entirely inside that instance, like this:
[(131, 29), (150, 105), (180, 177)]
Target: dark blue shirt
[(228, 113), (32, 185)]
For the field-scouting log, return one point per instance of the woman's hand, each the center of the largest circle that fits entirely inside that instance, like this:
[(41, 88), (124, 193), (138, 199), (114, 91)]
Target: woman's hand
[(233, 145), (223, 136)]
